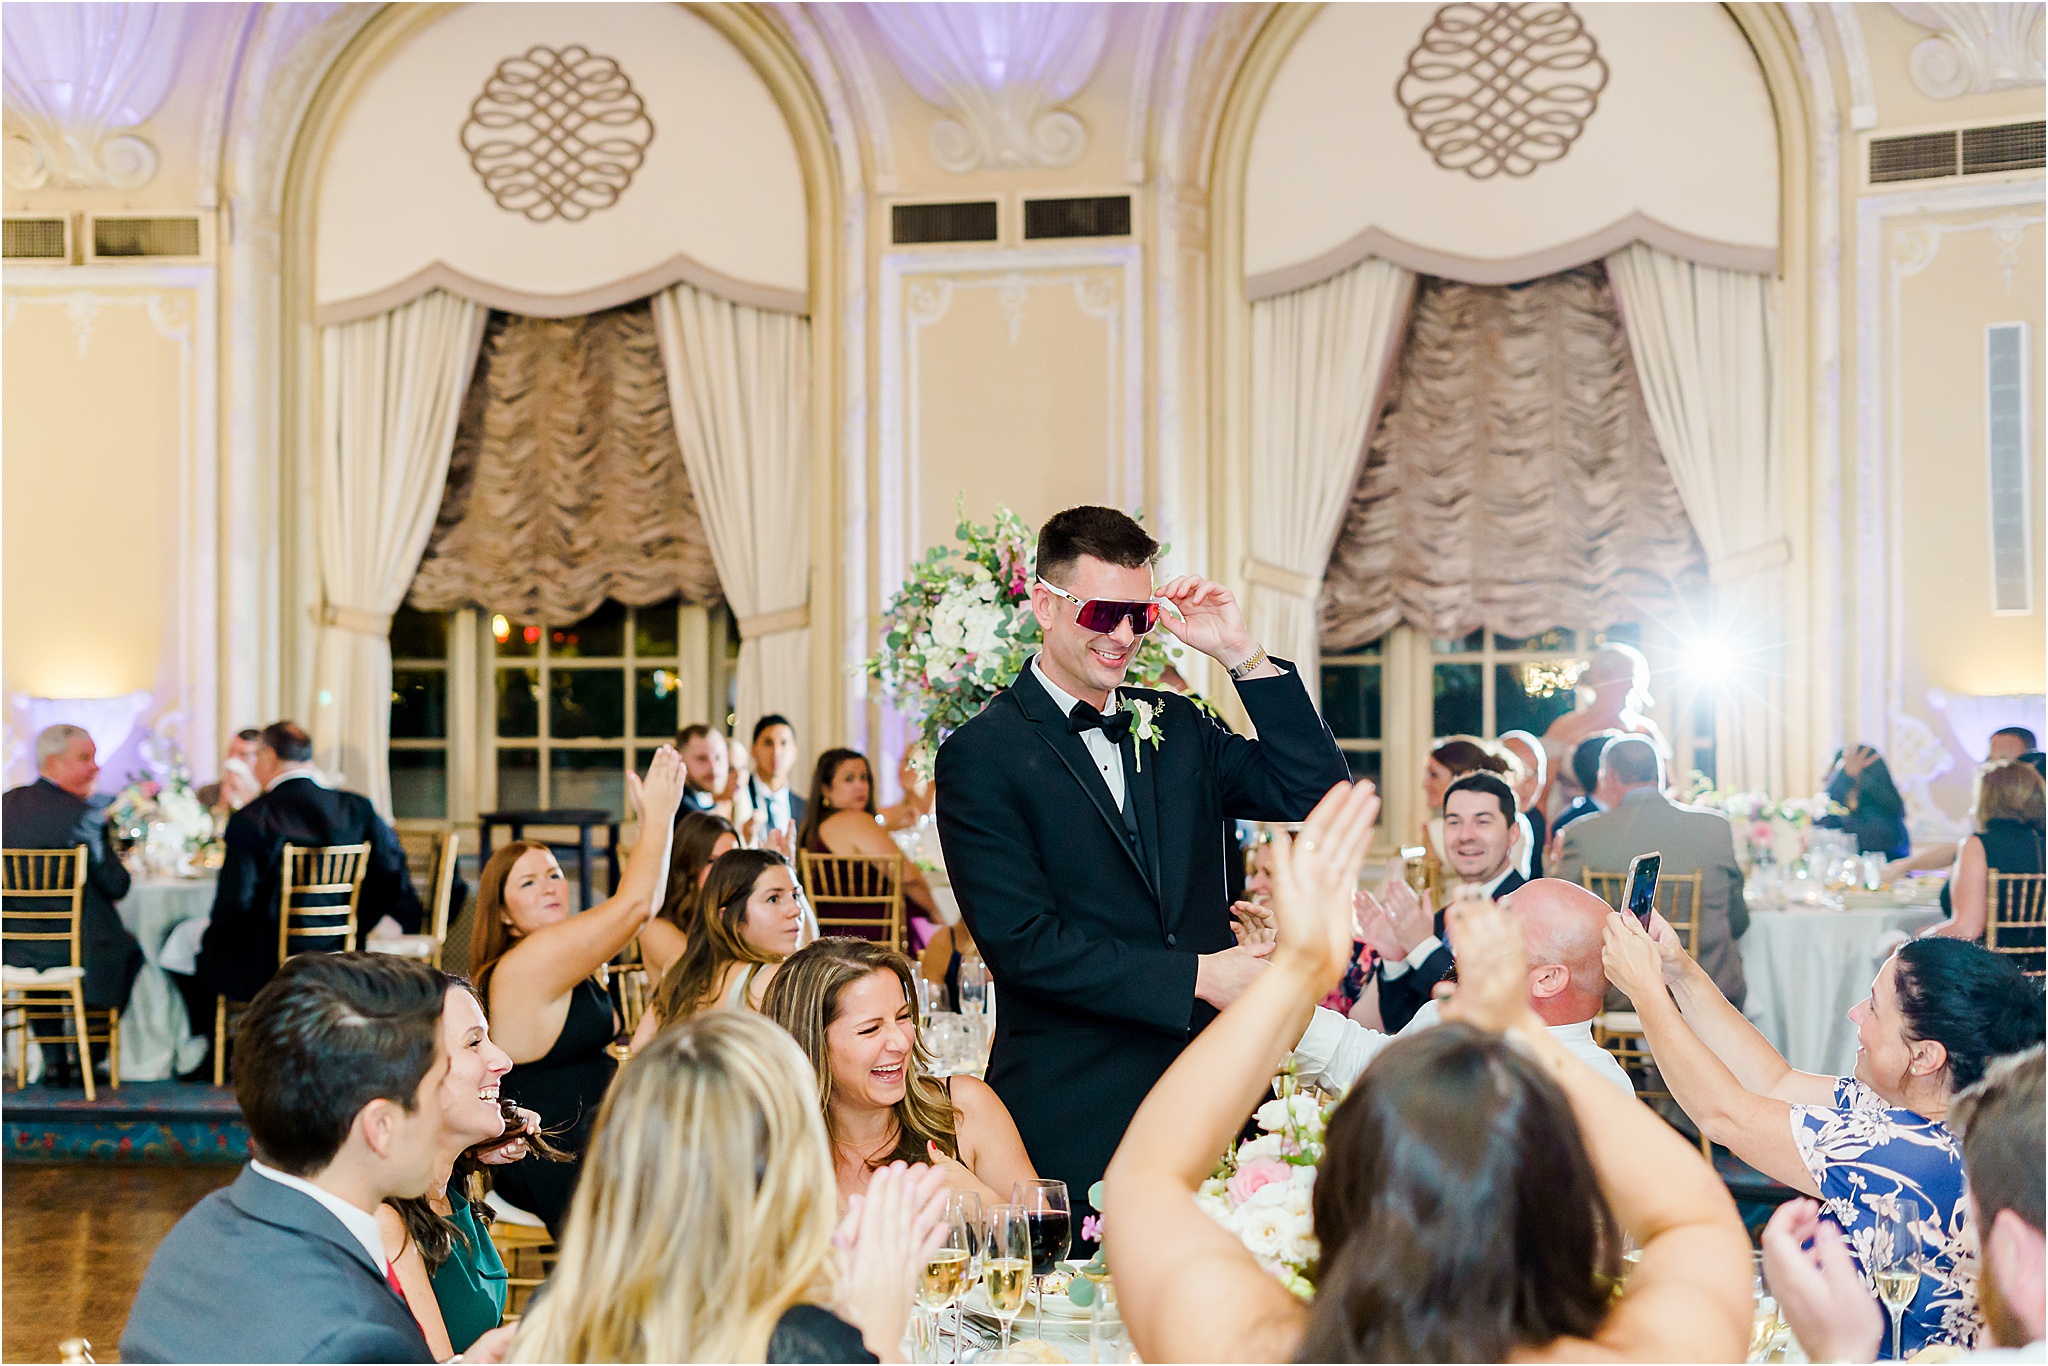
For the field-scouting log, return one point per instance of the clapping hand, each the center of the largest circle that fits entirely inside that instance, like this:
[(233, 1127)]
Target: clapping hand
[(1204, 614), (1314, 877), (1410, 915), (509, 1146), (1822, 1298), (1633, 960), (1492, 990), (887, 1236), (1253, 923), (1376, 927)]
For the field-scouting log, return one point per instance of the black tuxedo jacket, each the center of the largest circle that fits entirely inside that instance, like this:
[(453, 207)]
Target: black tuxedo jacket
[(1092, 937), (1401, 997), (261, 1272), (239, 951), (42, 815)]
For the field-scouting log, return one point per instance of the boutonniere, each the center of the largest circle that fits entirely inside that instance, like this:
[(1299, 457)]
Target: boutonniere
[(1144, 726)]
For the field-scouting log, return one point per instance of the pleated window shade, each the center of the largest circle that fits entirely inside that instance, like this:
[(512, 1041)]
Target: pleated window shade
[(566, 486), (1513, 483)]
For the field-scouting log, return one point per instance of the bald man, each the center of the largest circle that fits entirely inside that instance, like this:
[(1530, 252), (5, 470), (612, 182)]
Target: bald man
[(1561, 927)]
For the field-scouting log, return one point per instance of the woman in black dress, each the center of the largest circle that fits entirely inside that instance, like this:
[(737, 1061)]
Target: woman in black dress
[(2009, 810), (538, 963)]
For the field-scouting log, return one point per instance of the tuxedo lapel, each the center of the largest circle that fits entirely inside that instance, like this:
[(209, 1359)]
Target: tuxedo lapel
[(1051, 723), (1141, 790)]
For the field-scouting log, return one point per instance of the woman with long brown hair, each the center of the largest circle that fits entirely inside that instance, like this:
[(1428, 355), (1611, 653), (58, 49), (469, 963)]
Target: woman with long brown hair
[(749, 917), (851, 1007), (700, 838), (537, 964), (840, 818)]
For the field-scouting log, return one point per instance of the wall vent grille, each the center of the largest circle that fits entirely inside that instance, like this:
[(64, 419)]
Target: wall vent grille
[(1096, 216), (138, 238), (38, 239), (2005, 413), (1990, 150), (919, 224)]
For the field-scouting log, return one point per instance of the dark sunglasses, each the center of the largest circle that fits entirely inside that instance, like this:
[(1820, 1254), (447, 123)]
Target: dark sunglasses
[(1101, 615)]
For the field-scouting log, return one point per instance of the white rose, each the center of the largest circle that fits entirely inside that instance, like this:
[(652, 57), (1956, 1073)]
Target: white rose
[(1307, 1114), (1262, 1230), (1265, 1145)]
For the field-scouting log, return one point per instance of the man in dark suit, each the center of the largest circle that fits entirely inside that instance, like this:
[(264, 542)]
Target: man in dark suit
[(768, 789), (239, 951), (58, 811), (339, 1075), (707, 768), (1479, 837), (1084, 826)]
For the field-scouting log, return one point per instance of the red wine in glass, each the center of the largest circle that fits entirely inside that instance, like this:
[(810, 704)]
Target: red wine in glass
[(1051, 1239)]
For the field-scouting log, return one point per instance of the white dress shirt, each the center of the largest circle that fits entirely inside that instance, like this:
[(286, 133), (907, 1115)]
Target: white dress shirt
[(1335, 1049), (362, 1224), (309, 773), (1419, 955), (775, 805), (1107, 754)]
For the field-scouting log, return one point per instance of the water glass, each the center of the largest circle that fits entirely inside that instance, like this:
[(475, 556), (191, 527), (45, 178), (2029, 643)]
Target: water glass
[(1108, 1339), (973, 985), (948, 1041)]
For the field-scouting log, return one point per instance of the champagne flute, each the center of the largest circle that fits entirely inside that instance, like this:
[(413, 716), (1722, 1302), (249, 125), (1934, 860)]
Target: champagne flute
[(946, 1272), (1895, 1264), (1052, 1231), (1006, 1264), (966, 1207)]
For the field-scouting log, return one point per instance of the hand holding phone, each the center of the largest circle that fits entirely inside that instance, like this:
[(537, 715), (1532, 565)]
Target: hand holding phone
[(1641, 898)]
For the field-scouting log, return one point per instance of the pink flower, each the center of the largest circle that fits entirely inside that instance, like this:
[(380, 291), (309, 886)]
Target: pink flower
[(1260, 1171), (1091, 1228)]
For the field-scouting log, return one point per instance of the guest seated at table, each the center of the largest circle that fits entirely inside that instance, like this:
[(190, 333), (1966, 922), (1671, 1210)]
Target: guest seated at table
[(1585, 770), (538, 966), (339, 1073), (839, 818), (2012, 742), (2009, 808), (1449, 761), (851, 1006), (238, 952), (773, 752), (701, 837), (1823, 1297), (58, 811), (1636, 818), (1937, 1014), (439, 1244), (1474, 1189), (704, 1229), (1876, 815), (707, 768), (1562, 927), (1479, 835), (916, 802), (237, 786), (748, 918), (943, 954)]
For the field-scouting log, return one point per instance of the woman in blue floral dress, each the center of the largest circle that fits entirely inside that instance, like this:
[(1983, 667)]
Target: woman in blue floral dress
[(1937, 1012)]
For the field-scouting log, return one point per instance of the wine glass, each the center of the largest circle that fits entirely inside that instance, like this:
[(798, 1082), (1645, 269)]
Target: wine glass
[(967, 1206), (1895, 1263), (973, 985), (1052, 1231), (946, 1272), (1006, 1264)]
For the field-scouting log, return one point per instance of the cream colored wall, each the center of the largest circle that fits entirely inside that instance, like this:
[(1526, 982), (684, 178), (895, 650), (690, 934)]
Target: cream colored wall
[(106, 534)]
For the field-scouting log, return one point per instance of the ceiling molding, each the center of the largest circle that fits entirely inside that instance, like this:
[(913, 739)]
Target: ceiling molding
[(1976, 49)]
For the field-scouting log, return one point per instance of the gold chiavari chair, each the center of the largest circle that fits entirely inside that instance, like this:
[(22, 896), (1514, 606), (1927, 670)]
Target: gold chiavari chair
[(857, 894), (1620, 1032), (2014, 921), (56, 877), (430, 856), (529, 1255), (309, 919)]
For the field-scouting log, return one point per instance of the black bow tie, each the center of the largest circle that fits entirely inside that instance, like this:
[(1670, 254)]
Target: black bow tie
[(1084, 718)]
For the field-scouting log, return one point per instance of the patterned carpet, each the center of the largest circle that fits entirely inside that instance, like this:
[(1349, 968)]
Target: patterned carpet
[(157, 1121)]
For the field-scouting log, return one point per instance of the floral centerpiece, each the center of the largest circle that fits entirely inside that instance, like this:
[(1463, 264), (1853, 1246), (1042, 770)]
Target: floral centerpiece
[(159, 810), (961, 630), (1261, 1191), (1767, 830)]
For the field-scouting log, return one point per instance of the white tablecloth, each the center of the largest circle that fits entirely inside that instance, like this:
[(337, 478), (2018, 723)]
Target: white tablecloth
[(1808, 968), (157, 1040)]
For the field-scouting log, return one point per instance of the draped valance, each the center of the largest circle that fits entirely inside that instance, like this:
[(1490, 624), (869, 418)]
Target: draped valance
[(566, 486), (1514, 482)]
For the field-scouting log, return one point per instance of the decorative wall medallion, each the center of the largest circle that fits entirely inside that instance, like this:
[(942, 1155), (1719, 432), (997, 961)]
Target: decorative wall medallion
[(1977, 49), (1501, 89), (557, 134)]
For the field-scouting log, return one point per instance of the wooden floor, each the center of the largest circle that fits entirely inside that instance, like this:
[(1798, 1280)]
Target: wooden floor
[(75, 1242)]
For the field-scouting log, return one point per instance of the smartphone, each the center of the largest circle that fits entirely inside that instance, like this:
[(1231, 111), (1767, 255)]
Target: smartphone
[(1642, 885)]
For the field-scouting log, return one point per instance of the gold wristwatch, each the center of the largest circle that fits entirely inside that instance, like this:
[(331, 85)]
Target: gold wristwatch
[(1250, 666)]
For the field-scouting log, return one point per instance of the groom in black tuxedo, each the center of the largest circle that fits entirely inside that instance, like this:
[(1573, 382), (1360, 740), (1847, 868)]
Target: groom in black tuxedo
[(1084, 826)]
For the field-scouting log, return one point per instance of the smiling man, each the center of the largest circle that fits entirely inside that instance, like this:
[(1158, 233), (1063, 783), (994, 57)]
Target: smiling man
[(1084, 824)]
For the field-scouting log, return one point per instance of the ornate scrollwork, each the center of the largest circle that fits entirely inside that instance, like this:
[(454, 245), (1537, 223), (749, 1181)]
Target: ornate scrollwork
[(557, 134), (1501, 89)]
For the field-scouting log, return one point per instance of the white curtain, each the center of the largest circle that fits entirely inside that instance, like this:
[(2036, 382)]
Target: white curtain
[(1705, 342), (739, 384), (1320, 357), (392, 393)]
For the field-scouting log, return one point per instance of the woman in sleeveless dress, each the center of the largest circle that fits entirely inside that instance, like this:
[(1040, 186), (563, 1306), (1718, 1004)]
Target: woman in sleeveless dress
[(840, 818), (749, 917), (537, 964), (2009, 810)]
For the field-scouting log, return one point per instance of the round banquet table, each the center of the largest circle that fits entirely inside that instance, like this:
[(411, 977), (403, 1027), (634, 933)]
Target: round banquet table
[(1808, 967), (157, 1041)]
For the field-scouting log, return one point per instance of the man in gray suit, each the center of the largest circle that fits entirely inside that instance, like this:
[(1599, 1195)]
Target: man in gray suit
[(338, 1069), (1639, 819)]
